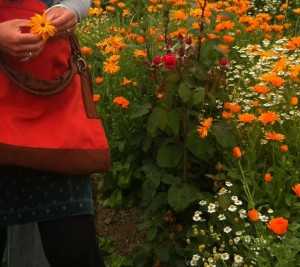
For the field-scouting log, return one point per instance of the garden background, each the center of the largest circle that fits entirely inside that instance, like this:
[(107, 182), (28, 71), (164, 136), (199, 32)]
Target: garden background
[(199, 100)]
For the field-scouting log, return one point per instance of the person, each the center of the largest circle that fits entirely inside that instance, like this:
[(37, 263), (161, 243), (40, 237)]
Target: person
[(61, 205)]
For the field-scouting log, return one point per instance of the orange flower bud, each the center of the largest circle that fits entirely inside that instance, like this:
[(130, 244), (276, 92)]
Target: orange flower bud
[(268, 177), (296, 189), (255, 103), (96, 97), (237, 152), (284, 148), (294, 101), (253, 215), (99, 80), (278, 225)]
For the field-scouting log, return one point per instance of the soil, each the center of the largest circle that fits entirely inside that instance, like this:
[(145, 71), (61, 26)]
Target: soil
[(119, 225)]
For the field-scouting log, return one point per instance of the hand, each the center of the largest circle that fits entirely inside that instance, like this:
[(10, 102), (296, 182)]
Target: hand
[(63, 19), (16, 43)]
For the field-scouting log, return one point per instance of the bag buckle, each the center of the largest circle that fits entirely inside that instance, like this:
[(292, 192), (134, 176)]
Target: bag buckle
[(80, 63)]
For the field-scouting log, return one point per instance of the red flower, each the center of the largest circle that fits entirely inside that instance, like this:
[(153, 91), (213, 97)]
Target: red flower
[(224, 62), (169, 61), (157, 60)]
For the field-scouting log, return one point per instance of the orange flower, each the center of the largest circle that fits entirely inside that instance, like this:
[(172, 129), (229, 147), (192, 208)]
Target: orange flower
[(255, 103), (253, 215), (96, 97), (226, 105), (273, 78), (121, 101), (203, 130), (125, 81), (278, 225), (284, 148), (224, 48), (260, 89), (268, 117), (111, 67), (268, 177), (237, 152), (228, 39), (246, 118), (226, 115), (280, 65), (99, 80), (39, 24), (294, 101), (235, 108), (86, 50), (273, 136), (296, 189)]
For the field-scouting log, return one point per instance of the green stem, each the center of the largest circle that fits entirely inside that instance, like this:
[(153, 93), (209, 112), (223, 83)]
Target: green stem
[(246, 187)]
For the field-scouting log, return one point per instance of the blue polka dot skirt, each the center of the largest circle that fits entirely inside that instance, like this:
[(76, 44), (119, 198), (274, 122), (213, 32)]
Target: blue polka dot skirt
[(28, 196)]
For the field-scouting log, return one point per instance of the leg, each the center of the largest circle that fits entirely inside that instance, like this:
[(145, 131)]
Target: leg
[(71, 242)]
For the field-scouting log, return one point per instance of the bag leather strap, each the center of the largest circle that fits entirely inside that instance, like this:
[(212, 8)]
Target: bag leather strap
[(40, 87)]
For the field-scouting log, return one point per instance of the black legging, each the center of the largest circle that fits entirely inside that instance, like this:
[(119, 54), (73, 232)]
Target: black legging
[(67, 242)]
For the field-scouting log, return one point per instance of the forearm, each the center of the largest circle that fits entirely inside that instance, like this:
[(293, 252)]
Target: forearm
[(81, 7)]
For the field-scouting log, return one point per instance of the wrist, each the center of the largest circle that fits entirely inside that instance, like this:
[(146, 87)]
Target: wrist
[(57, 6)]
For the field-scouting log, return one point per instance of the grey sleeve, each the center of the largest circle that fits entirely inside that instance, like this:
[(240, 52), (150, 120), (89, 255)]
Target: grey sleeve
[(81, 7)]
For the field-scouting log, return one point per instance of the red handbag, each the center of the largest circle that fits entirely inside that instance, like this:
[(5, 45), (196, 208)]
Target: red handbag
[(48, 120)]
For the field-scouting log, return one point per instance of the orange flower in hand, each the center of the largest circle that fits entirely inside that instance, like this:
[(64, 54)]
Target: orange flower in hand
[(39, 24), (253, 215), (296, 189), (278, 225)]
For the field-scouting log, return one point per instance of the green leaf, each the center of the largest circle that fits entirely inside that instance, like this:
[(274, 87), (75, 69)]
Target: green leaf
[(145, 224), (170, 179), (197, 145), (158, 118), (163, 119), (224, 135), (171, 77), (141, 111), (294, 226), (184, 92), (288, 200), (198, 95), (224, 201), (162, 253), (181, 196), (151, 234), (173, 122), (124, 180), (169, 156)]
